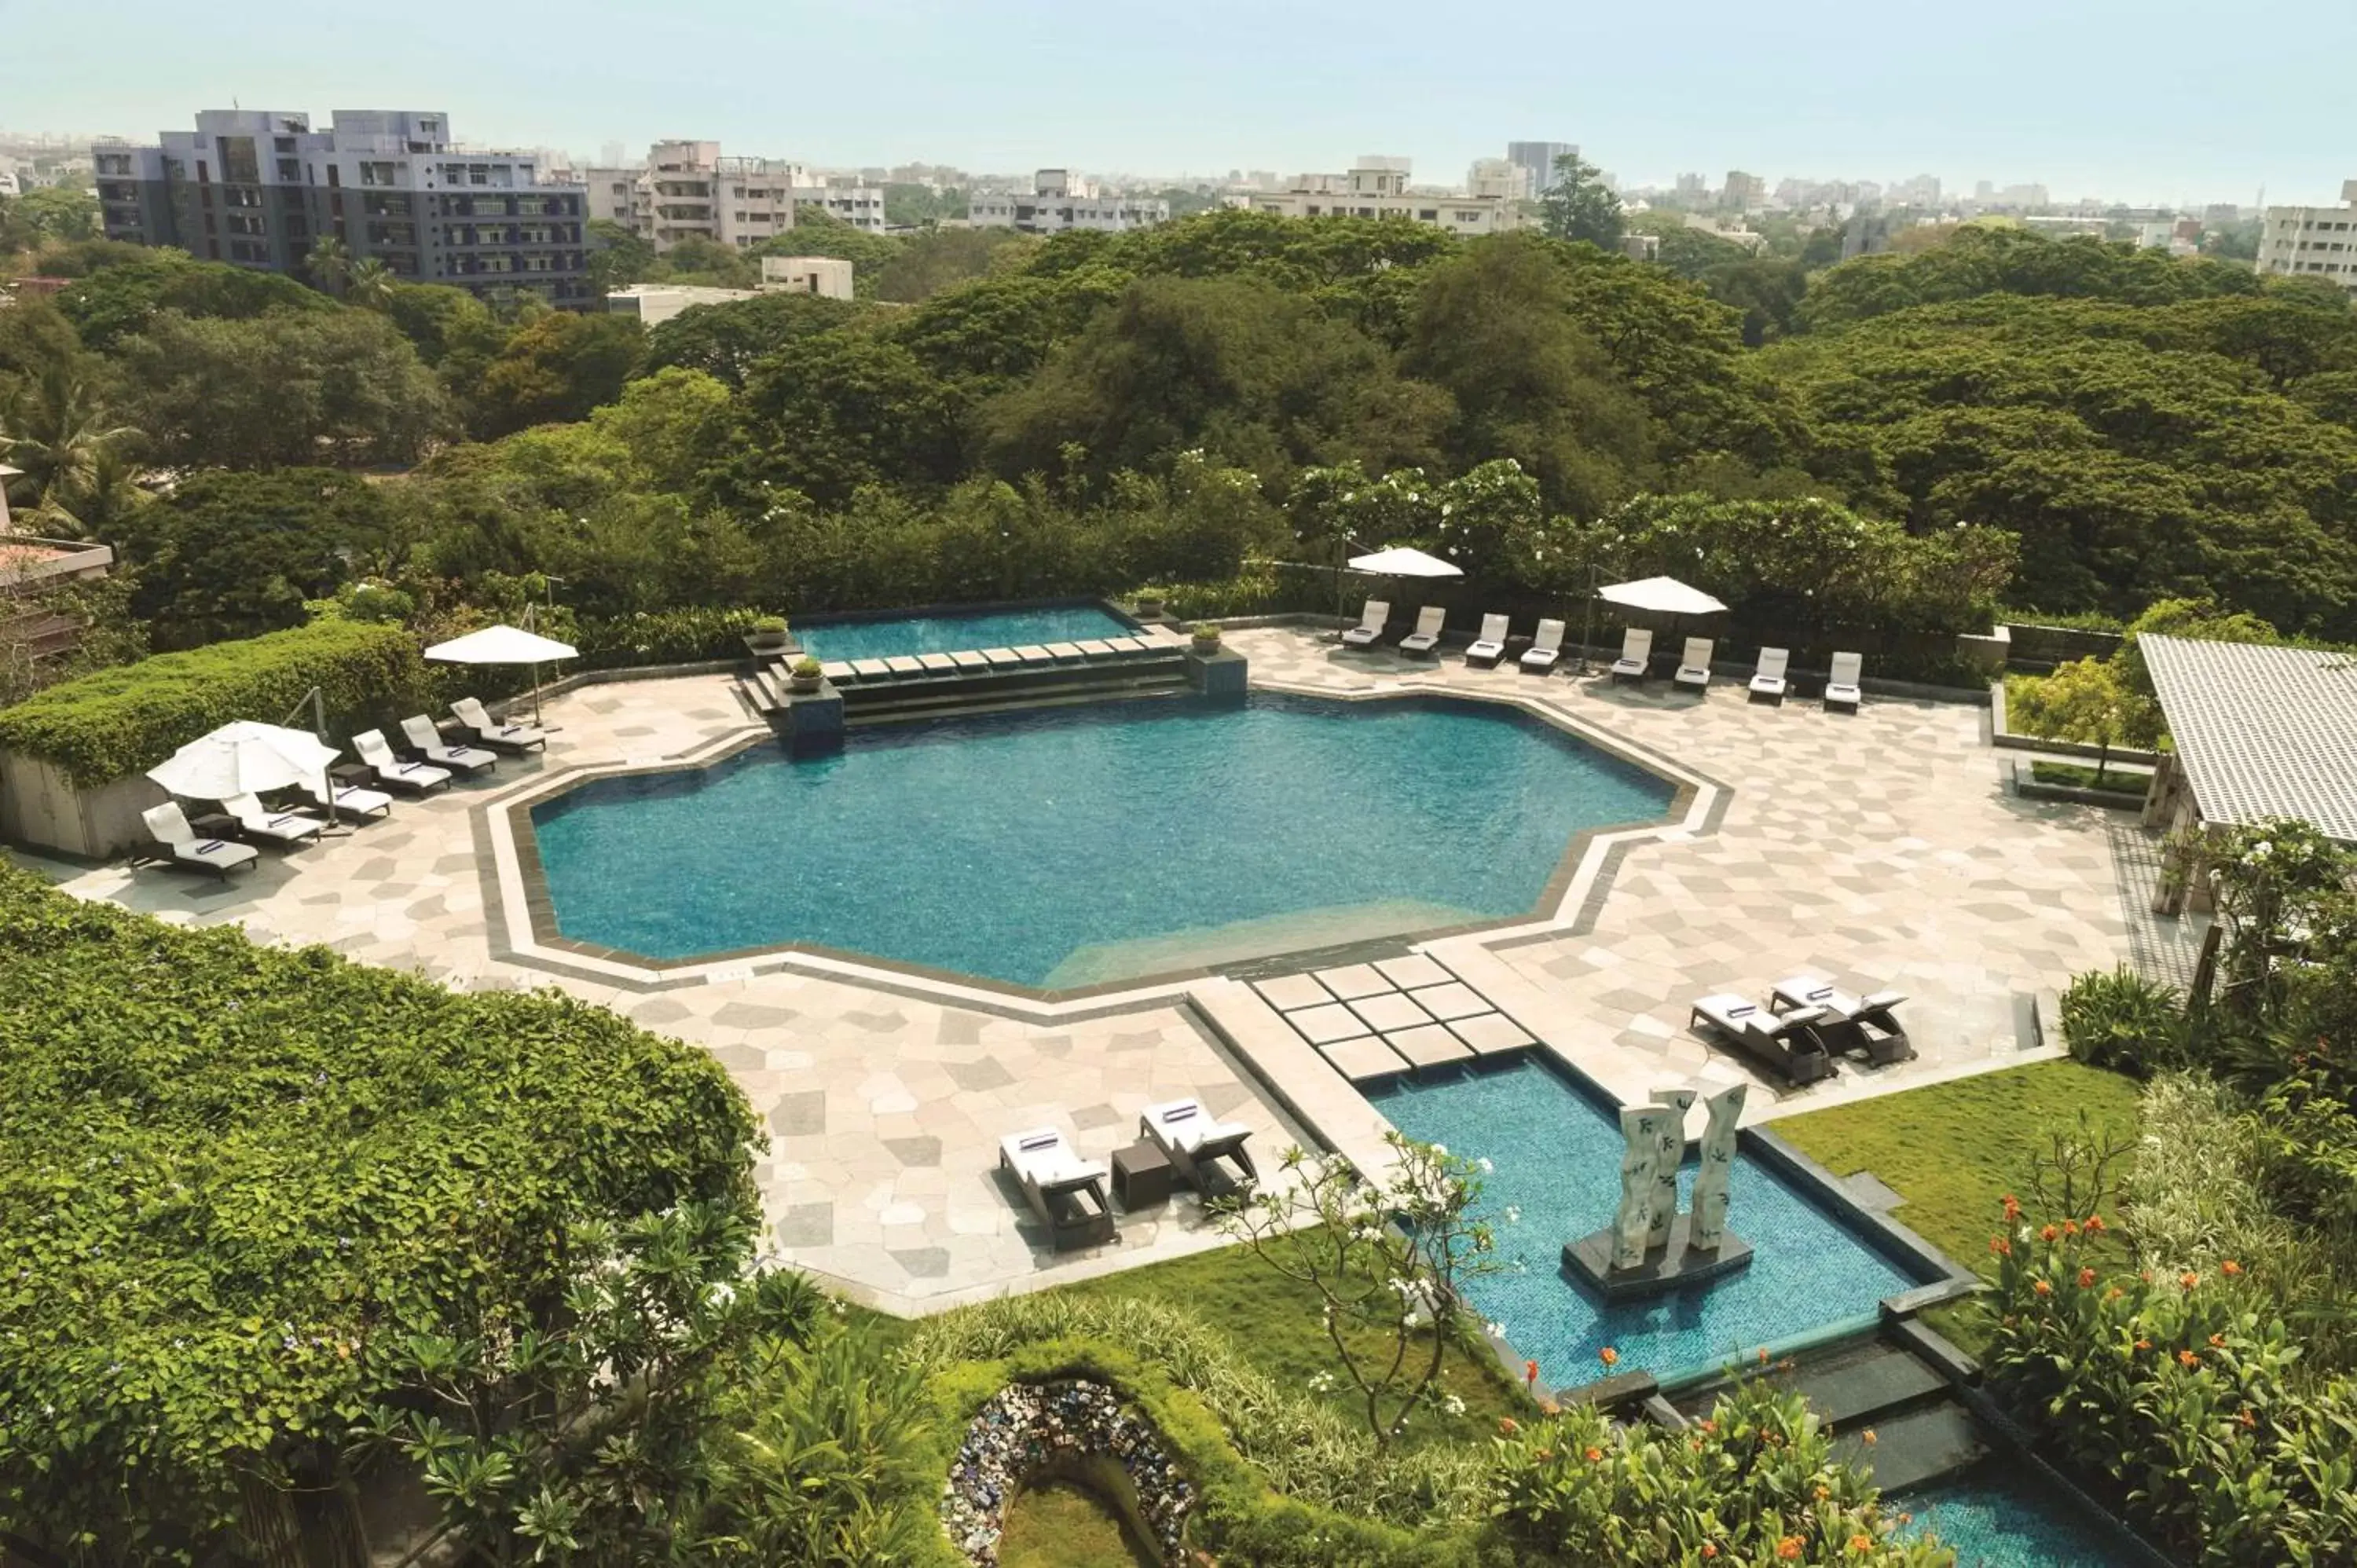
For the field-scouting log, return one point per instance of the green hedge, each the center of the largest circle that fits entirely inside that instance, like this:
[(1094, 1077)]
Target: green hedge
[(235, 1177), (114, 723), (666, 637)]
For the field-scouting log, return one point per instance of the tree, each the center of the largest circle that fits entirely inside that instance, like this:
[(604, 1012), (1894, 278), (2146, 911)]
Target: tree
[(329, 265), (1386, 1260), (832, 411), (235, 554), (726, 341), (818, 232), (2084, 701), (121, 296), (54, 428), (557, 367), (59, 213), (942, 258), (370, 285), (617, 256), (1578, 206)]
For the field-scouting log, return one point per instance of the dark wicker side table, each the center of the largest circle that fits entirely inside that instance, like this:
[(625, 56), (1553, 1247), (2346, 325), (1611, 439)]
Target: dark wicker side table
[(1141, 1177)]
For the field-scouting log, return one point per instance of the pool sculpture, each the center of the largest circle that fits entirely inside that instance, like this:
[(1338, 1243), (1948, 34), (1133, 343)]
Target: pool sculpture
[(1651, 1249)]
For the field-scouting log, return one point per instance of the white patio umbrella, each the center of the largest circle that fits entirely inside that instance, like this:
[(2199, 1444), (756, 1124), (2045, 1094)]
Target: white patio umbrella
[(505, 645), (244, 757), (1401, 561), (1662, 595)]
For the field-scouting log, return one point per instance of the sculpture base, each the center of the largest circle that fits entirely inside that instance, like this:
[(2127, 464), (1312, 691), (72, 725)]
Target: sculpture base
[(1672, 1267)]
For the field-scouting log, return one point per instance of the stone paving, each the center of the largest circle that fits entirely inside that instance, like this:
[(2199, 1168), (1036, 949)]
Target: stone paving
[(1880, 849)]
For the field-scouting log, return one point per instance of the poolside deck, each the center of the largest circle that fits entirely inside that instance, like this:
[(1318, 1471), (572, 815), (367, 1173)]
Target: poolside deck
[(1880, 849)]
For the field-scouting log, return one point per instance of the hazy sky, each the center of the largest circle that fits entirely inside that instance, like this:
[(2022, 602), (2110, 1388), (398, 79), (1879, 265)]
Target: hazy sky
[(2132, 99)]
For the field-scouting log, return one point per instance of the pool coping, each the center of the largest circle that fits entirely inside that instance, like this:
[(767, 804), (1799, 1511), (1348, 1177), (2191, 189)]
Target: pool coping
[(521, 924)]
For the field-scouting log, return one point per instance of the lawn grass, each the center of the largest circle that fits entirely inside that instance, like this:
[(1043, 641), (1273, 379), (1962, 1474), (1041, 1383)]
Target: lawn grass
[(1273, 1323), (2115, 779), (1065, 1526), (1954, 1150)]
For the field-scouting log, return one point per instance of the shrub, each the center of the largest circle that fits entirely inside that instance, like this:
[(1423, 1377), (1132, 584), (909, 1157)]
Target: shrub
[(770, 626), (114, 723), (2123, 1021), (239, 1180), (808, 667), (667, 636)]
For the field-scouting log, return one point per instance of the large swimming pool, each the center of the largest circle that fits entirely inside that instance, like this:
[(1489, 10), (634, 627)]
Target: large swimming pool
[(1997, 1518), (957, 631), (1076, 846), (1556, 1159)]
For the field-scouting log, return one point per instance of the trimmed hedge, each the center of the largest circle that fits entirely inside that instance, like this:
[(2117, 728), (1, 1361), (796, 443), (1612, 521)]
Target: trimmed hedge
[(666, 637), (114, 723), (233, 1178)]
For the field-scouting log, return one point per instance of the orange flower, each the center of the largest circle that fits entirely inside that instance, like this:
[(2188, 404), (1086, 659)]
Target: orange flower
[(2087, 1279), (1593, 1455), (2043, 1288), (1823, 1493), (2048, 1232), (2230, 1268), (1609, 1356), (2143, 1343), (1530, 1371), (2012, 1207), (2217, 1341), (2000, 1246), (1763, 1355), (2070, 1227), (2094, 1222), (1508, 1426), (2187, 1358), (1870, 1438), (1861, 1543), (2114, 1293), (2189, 1279), (1710, 1549), (2246, 1421), (1709, 1425), (1789, 1549)]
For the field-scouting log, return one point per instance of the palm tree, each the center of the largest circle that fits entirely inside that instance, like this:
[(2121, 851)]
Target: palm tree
[(329, 264), (54, 430), (370, 285)]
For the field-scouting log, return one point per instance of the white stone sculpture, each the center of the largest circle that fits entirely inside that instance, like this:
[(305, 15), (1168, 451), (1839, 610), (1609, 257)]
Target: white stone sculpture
[(1669, 1153), (1641, 1125), (1707, 1229)]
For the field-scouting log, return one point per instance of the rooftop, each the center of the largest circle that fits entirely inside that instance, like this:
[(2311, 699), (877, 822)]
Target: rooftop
[(2261, 730)]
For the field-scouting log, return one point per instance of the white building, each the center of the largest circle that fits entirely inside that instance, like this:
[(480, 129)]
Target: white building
[(2312, 241), (1501, 177), (656, 303), (1058, 202), (1378, 188), (829, 277), (687, 189)]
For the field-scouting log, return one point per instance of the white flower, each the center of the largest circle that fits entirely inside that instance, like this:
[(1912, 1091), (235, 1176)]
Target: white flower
[(1495, 1330), (1487, 1168), (1513, 1215), (1453, 1405)]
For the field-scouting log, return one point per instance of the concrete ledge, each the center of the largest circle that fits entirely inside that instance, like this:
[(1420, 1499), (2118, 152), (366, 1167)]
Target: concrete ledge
[(2026, 785), (1999, 734)]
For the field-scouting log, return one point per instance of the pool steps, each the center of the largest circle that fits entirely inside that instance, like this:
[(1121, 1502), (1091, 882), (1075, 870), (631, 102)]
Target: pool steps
[(916, 686)]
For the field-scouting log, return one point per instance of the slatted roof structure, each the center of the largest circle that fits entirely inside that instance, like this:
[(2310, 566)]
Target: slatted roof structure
[(2261, 730)]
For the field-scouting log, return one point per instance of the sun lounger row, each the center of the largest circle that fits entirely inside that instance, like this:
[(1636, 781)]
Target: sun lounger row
[(1067, 1192), (1546, 650), (983, 660), (1807, 1022), (1769, 681), (245, 822)]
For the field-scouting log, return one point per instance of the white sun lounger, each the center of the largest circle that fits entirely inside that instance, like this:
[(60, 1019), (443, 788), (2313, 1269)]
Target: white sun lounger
[(1636, 653), (1372, 617), (350, 798), (427, 742), (1768, 684), (1208, 1153), (1841, 683), (473, 716), (1787, 1044), (169, 825), (1490, 646), (1694, 669), (1868, 1024), (1427, 635), (285, 829), (1064, 1190), (409, 778), (1546, 650)]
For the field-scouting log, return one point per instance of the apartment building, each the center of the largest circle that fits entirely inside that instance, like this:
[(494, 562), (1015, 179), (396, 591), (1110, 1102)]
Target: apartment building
[(687, 189), (2312, 241), (1057, 201), (258, 188), (1536, 160), (1378, 188)]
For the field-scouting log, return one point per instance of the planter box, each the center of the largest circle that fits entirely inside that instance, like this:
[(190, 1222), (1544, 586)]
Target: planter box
[(42, 809)]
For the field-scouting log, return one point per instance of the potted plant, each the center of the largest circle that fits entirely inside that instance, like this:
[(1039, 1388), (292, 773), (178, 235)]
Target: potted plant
[(806, 672), (1148, 602), (769, 631), (1207, 636)]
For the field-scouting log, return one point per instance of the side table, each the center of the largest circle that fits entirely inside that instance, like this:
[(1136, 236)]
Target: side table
[(1141, 1177)]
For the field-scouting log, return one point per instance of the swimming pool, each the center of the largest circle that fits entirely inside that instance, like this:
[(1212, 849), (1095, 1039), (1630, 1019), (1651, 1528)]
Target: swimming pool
[(1557, 1160), (1994, 1518), (957, 631), (1074, 846)]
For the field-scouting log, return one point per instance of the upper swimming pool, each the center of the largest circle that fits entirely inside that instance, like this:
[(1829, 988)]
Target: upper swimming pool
[(957, 631), (1065, 847), (1556, 1159)]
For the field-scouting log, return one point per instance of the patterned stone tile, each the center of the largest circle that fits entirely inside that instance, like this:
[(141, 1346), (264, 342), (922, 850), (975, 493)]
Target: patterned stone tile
[(1331, 1022), (1411, 972), (1288, 991), (1353, 981), (1389, 1010), (1427, 1045), (1366, 1057)]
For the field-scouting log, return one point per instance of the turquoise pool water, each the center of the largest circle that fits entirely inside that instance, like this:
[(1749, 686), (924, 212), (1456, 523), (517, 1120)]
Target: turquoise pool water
[(1998, 1520), (1556, 1159), (957, 633), (1073, 846)]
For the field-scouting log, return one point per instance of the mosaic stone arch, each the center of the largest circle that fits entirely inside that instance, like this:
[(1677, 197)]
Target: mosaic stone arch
[(1027, 1430)]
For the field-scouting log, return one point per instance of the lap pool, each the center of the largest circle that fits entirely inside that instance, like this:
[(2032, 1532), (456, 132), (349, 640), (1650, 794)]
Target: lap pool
[(957, 631), (1076, 846), (1556, 1157)]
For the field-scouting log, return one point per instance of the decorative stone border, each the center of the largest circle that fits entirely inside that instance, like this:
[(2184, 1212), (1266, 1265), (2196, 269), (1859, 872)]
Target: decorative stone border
[(1028, 1428)]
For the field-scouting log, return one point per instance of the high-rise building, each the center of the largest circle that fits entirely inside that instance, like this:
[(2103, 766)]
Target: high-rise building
[(1742, 191), (1536, 159), (2312, 241), (259, 189), (687, 191)]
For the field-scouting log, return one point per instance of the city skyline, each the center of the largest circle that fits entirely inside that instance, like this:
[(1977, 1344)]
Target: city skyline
[(2112, 101)]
